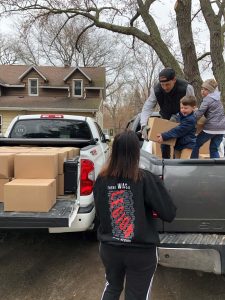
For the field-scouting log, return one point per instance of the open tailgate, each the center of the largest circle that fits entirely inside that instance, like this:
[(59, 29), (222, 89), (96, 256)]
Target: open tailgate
[(62, 214)]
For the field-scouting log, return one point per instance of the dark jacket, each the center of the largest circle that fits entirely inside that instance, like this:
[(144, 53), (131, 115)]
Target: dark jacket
[(169, 103), (184, 132), (124, 209)]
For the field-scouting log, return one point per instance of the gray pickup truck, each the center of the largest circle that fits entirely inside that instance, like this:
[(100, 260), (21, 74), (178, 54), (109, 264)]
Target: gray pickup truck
[(196, 238)]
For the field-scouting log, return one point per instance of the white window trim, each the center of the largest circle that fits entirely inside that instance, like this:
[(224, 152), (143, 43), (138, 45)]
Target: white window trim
[(29, 87), (82, 92)]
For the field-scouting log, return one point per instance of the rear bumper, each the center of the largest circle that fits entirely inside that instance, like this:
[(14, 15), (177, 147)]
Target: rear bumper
[(205, 260), (84, 221), (193, 251)]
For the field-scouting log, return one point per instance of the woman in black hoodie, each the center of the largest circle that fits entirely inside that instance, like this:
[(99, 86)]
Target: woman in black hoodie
[(125, 199)]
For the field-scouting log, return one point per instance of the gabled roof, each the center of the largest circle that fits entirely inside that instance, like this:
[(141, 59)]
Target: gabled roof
[(10, 74), (75, 69), (29, 69)]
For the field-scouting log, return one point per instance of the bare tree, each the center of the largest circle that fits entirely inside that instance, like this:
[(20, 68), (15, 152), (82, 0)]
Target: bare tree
[(134, 15), (213, 21), (27, 48), (7, 53), (145, 66), (134, 18), (184, 25), (60, 43)]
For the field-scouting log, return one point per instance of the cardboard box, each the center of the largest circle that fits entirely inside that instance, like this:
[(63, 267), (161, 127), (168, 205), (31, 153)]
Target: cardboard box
[(14, 149), (36, 165), (158, 125), (205, 148), (156, 149), (33, 195), (72, 152), (76, 152), (62, 156), (2, 183), (60, 186), (6, 165), (204, 156), (200, 124)]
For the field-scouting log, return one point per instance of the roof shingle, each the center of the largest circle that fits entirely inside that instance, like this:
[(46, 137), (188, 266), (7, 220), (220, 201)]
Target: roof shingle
[(10, 74)]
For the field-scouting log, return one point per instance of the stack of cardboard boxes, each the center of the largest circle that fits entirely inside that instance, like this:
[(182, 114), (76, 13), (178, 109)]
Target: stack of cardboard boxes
[(6, 170), (31, 177), (158, 125)]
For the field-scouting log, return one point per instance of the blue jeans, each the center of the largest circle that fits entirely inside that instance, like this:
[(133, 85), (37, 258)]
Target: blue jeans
[(202, 138)]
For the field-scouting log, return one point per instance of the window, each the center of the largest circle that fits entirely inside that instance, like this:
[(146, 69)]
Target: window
[(78, 88), (51, 128), (0, 124), (33, 86)]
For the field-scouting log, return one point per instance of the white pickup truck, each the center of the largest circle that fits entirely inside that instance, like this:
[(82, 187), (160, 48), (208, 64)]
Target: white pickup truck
[(76, 211)]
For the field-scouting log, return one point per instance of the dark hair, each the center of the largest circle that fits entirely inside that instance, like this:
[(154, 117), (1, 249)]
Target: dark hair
[(189, 100), (124, 158)]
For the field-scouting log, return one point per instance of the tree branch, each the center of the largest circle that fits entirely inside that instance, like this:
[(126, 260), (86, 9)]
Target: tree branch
[(221, 10), (80, 35), (134, 18), (203, 56)]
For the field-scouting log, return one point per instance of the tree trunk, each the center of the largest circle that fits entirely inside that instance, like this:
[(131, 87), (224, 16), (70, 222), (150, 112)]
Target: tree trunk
[(214, 24), (154, 39), (191, 69)]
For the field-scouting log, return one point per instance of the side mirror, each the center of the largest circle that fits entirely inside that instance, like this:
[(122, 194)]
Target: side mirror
[(107, 138), (139, 135)]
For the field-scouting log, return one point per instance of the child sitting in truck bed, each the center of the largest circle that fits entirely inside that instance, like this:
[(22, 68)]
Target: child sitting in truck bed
[(214, 127), (185, 131)]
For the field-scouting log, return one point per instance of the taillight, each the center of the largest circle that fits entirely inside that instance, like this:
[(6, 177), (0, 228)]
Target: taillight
[(87, 177), (154, 215)]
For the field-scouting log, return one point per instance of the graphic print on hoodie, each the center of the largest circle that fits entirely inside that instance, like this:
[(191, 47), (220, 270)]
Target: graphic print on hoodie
[(121, 207)]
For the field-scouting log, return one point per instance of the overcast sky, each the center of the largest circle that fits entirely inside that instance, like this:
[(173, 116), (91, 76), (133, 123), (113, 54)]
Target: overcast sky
[(162, 11)]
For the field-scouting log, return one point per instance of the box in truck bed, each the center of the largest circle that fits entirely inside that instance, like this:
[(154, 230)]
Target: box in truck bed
[(33, 195), (6, 165), (3, 181), (36, 165)]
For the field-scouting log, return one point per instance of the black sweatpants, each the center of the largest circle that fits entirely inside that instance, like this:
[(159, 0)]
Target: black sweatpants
[(137, 265)]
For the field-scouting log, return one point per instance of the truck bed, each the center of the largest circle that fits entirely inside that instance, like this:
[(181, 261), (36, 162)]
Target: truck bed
[(62, 214)]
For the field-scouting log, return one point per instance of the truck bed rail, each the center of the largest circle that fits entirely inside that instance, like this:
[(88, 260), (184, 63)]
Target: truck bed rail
[(47, 142)]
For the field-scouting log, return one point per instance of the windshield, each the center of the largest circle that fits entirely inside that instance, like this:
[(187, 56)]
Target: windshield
[(51, 128)]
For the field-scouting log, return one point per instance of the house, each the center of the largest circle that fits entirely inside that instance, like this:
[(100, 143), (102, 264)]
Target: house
[(48, 89)]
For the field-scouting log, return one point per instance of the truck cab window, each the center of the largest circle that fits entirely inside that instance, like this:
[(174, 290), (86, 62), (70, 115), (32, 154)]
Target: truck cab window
[(50, 128)]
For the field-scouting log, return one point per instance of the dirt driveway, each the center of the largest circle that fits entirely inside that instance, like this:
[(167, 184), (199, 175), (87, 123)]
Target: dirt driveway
[(38, 265)]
